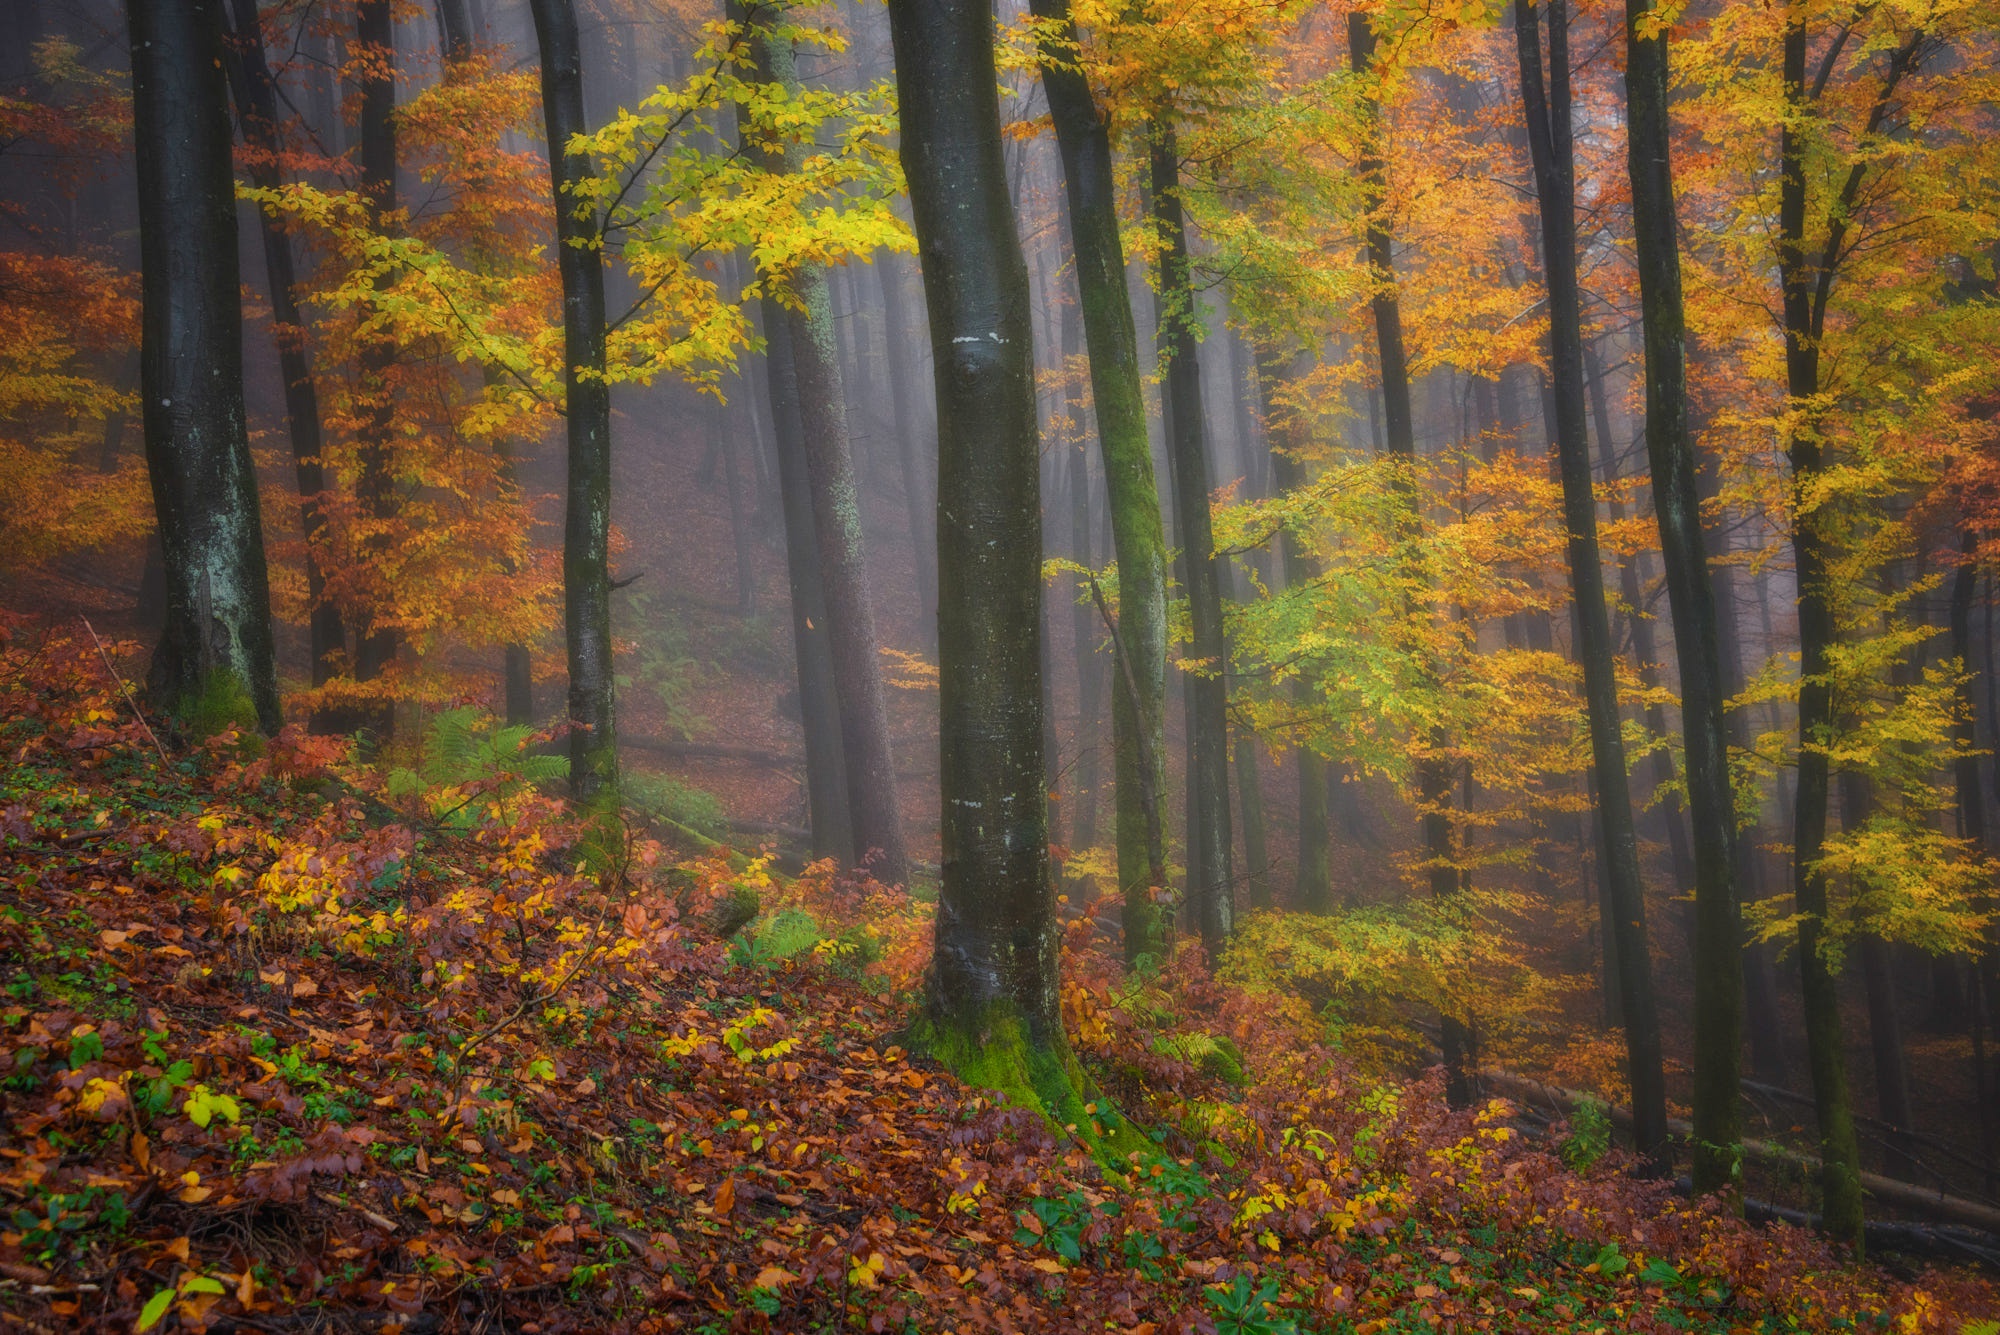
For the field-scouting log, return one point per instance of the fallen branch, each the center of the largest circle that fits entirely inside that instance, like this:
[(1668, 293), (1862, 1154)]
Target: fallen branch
[(123, 686), (1886, 1190)]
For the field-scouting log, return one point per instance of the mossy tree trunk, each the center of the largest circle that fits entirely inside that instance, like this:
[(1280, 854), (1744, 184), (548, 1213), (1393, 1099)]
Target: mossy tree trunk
[(1211, 882), (1138, 703), (1718, 1005), (587, 399), (1546, 104), (215, 646), (993, 1008)]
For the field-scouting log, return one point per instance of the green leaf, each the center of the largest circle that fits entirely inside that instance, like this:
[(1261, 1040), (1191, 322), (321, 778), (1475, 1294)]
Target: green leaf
[(1659, 1272), (203, 1284), (155, 1308)]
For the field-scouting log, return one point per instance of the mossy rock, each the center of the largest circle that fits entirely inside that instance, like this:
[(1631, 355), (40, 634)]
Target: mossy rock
[(735, 912)]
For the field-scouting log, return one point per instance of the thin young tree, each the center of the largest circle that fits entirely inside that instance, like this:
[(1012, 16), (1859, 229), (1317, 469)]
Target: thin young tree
[(1717, 1149), (1807, 275), (993, 1008), (1546, 104), (1139, 690), (587, 413), (872, 801), (1209, 840), (257, 112), (215, 647), (1434, 778), (375, 44)]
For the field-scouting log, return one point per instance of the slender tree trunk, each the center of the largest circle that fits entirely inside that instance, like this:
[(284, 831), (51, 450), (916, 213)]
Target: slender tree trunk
[(1211, 881), (215, 647), (1434, 779), (910, 449), (1547, 107), (719, 430), (593, 756), (1083, 618), (873, 804), (993, 984), (1138, 717), (1971, 800), (257, 112), (1718, 1005), (1312, 887), (819, 709), (375, 33)]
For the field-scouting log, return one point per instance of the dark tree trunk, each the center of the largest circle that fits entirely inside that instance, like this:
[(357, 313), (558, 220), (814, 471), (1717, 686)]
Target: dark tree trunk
[(719, 430), (1971, 800), (215, 646), (819, 709), (911, 450), (1138, 716), (993, 982), (375, 32), (1718, 1020), (1547, 108), (1211, 882), (257, 111), (593, 755), (1806, 282), (872, 799), (1434, 779)]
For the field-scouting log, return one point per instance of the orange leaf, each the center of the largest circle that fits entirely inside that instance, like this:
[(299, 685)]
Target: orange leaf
[(725, 1195)]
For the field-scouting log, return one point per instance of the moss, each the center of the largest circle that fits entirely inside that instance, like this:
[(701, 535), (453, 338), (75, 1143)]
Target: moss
[(998, 1055), (1214, 1056), (223, 701)]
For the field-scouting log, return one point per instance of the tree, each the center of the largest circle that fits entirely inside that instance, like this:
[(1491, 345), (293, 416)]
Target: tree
[(1138, 694), (215, 648), (1547, 107), (587, 406), (1718, 1021), (992, 1004), (257, 111), (374, 49), (1210, 883), (807, 312)]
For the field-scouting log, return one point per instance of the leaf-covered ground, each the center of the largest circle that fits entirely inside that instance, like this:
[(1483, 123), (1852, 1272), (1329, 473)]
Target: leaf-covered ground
[(283, 1054)]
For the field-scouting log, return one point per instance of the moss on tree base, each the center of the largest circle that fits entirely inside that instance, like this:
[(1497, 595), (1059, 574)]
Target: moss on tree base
[(999, 1054)]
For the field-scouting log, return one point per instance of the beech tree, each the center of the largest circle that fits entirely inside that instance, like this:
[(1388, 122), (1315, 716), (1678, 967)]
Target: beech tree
[(215, 647), (993, 1011)]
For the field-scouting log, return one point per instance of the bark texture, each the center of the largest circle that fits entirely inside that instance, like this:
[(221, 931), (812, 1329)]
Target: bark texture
[(215, 645)]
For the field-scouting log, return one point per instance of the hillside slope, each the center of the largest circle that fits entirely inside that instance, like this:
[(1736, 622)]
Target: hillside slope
[(286, 1052)]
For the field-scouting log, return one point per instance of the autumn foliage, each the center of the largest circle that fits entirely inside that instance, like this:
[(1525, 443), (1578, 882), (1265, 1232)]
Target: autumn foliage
[(277, 1046)]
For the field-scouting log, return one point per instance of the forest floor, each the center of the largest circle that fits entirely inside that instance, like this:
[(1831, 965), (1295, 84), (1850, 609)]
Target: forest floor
[(285, 1051)]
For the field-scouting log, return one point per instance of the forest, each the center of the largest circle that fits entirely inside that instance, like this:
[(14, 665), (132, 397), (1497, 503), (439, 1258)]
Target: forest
[(1230, 667)]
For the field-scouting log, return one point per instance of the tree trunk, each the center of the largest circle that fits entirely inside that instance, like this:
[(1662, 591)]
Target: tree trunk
[(1138, 716), (1211, 883), (593, 755), (1718, 1019), (215, 647), (1434, 780), (1312, 887), (1083, 618), (910, 449), (1547, 108), (872, 799), (993, 1009), (375, 407), (257, 111), (819, 709)]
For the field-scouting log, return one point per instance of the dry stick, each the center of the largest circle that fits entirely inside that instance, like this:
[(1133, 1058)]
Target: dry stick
[(1149, 801), (126, 688)]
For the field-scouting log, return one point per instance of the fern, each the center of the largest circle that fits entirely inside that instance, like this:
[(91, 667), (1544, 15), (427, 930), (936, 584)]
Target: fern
[(461, 747)]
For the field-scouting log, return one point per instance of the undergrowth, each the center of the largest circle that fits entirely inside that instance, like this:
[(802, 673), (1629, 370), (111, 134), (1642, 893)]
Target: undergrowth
[(284, 1046)]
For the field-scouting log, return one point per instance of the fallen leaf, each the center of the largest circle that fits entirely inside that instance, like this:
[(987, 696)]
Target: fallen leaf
[(725, 1195), (774, 1277)]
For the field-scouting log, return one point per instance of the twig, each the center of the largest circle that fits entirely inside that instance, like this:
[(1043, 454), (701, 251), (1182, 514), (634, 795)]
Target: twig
[(127, 689)]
